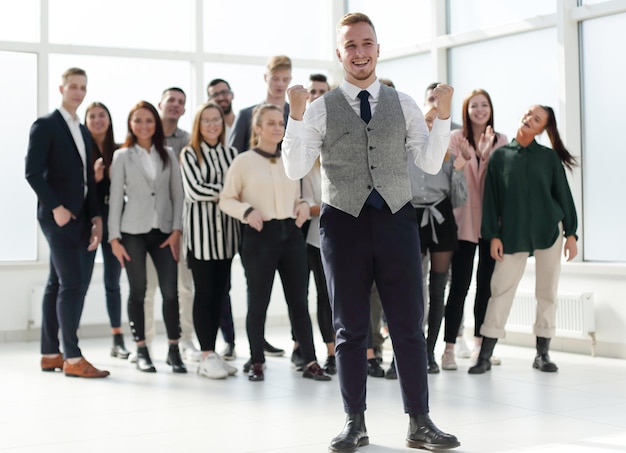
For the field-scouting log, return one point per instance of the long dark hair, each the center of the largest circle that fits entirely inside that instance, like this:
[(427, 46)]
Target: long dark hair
[(158, 139), (108, 145), (555, 138), (467, 130)]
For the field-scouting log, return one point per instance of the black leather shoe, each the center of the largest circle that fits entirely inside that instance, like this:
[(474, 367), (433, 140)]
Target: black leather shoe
[(331, 365), (481, 367), (248, 365), (433, 368), (144, 362), (297, 361), (543, 363), (353, 436), (391, 373), (255, 372), (424, 434), (374, 369), (175, 360), (272, 350), (316, 372)]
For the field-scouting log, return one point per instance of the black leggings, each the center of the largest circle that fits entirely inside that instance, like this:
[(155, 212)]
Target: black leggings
[(462, 269)]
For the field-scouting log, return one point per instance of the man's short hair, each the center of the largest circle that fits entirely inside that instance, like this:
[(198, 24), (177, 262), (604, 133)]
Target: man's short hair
[(70, 72), (214, 82), (318, 78), (387, 82), (354, 18), (432, 86), (180, 90), (277, 63)]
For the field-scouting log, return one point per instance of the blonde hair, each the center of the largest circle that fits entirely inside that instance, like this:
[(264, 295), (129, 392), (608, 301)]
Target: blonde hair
[(257, 117), (277, 63), (70, 72), (354, 18)]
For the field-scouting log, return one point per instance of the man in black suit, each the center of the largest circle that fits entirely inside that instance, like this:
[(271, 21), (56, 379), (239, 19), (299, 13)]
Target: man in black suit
[(58, 168)]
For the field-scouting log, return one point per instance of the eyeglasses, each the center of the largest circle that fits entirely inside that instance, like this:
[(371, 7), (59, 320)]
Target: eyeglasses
[(220, 93), (210, 122)]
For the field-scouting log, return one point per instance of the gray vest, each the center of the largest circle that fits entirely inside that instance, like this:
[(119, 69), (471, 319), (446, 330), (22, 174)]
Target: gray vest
[(357, 157)]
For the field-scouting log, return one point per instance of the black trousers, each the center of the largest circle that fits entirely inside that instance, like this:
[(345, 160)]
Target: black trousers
[(279, 246), (377, 246)]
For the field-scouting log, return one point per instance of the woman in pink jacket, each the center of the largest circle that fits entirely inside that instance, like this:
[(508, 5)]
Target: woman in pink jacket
[(475, 141)]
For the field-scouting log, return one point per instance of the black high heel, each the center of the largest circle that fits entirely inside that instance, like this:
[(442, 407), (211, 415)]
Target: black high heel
[(118, 349), (144, 362), (175, 360)]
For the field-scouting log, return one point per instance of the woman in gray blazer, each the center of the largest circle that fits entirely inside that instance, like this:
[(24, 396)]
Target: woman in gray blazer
[(145, 212)]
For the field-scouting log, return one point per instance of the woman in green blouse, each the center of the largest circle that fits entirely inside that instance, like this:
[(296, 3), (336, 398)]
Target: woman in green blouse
[(527, 210)]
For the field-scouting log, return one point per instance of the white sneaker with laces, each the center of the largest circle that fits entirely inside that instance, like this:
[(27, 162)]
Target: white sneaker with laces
[(211, 367), (189, 351), (460, 348), (447, 360)]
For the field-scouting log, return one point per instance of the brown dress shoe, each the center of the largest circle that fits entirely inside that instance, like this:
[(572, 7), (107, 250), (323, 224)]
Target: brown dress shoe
[(51, 364), (83, 369)]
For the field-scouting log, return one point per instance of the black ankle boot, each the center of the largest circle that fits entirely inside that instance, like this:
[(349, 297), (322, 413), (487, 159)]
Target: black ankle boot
[(424, 434), (353, 436), (483, 364), (174, 359), (118, 349), (144, 362), (542, 361)]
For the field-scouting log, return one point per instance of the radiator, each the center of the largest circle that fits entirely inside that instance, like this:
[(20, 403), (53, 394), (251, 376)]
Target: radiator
[(574, 314)]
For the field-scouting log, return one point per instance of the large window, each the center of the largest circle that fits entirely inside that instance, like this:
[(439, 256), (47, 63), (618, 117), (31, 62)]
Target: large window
[(22, 23), (604, 153), (410, 75), (138, 24), (468, 15), (513, 82), (17, 202)]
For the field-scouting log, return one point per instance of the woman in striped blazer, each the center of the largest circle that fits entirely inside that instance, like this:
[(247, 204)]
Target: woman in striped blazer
[(211, 237)]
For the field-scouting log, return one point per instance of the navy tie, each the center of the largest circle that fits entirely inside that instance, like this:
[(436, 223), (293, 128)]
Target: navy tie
[(374, 199), (366, 111)]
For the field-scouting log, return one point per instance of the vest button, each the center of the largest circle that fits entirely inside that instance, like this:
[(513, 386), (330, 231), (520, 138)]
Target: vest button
[(372, 147), (372, 167), (369, 187)]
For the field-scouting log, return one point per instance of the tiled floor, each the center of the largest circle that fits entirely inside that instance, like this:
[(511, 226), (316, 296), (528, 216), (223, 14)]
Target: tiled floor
[(514, 408)]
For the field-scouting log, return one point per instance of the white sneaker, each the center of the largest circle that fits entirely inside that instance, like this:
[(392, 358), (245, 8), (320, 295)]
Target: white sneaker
[(132, 358), (189, 351), (447, 360), (495, 360), (231, 370), (460, 348), (211, 367)]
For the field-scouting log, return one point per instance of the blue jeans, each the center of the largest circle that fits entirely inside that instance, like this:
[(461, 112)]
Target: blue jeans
[(138, 246)]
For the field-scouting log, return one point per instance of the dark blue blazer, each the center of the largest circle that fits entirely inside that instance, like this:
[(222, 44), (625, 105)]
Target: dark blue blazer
[(54, 169)]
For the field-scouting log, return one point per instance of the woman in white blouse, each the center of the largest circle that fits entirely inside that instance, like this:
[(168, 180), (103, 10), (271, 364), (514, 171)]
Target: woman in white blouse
[(211, 238), (145, 216), (258, 192)]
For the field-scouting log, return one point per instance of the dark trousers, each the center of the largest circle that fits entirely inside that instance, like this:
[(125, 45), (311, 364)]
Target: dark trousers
[(211, 283), (111, 276), (279, 246), (227, 324), (64, 296), (462, 267), (324, 313), (138, 246), (384, 248)]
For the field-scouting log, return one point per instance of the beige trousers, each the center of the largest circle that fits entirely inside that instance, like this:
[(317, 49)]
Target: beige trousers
[(506, 277)]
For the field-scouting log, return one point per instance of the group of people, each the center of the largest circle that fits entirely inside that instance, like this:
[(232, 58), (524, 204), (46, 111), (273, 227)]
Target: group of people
[(355, 184)]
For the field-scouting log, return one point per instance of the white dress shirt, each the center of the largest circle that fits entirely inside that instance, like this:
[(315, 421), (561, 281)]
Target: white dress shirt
[(303, 139), (74, 125)]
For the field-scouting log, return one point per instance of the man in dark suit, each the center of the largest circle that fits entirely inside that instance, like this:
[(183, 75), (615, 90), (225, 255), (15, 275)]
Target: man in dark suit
[(58, 168)]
